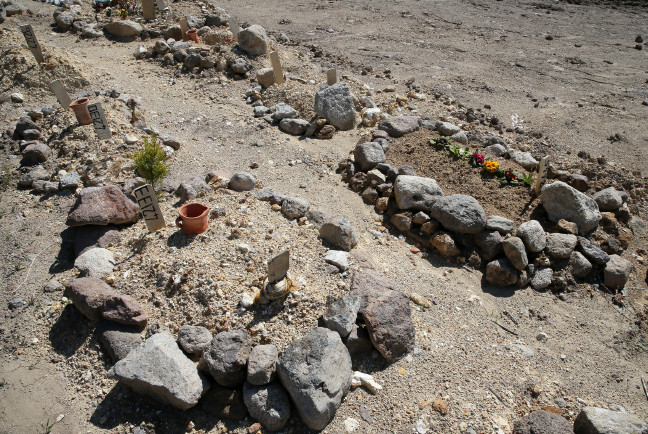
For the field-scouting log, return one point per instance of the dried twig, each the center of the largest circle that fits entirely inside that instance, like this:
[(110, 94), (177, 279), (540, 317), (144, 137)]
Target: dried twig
[(496, 394), (504, 328), (643, 383), (29, 270)]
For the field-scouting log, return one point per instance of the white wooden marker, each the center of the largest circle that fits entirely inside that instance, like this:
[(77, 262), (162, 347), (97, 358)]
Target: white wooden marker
[(276, 66), (542, 174), (61, 94), (145, 196), (32, 42), (184, 27), (162, 5), (331, 77), (234, 28), (99, 121), (278, 267), (148, 9)]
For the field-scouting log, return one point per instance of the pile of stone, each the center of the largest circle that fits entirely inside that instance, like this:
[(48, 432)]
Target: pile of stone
[(457, 226), (232, 378), (334, 231), (590, 420)]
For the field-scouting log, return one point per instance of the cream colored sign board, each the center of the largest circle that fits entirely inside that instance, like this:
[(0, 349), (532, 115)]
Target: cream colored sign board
[(278, 266), (61, 94), (184, 27), (331, 77), (276, 66), (99, 121), (234, 27), (148, 9), (32, 42), (542, 174), (145, 196)]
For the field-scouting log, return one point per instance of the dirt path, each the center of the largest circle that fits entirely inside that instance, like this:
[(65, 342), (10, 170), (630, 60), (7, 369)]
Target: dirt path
[(487, 376)]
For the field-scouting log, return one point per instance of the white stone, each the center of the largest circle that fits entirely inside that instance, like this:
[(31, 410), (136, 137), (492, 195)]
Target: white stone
[(339, 258), (366, 380), (246, 300), (351, 424)]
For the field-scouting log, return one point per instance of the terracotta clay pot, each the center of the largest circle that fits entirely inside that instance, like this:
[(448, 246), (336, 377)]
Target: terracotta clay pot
[(193, 218), (80, 108), (193, 35)]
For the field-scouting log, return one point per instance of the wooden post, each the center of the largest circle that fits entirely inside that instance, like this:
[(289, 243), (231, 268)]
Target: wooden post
[(331, 77), (542, 174), (276, 66), (278, 267), (234, 27), (148, 9), (32, 42), (145, 196), (61, 94), (99, 121), (184, 27)]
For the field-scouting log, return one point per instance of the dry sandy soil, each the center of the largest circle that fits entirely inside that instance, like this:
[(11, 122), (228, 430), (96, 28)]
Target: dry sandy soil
[(579, 87)]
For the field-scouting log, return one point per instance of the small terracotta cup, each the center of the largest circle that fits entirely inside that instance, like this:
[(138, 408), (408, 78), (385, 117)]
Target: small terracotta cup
[(193, 35), (193, 218), (80, 108)]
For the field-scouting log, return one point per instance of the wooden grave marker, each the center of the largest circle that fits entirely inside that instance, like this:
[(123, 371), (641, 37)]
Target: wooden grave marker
[(61, 94), (331, 77), (145, 196), (99, 121), (234, 28), (276, 67), (32, 42), (162, 5), (542, 174), (278, 267), (148, 9), (184, 27)]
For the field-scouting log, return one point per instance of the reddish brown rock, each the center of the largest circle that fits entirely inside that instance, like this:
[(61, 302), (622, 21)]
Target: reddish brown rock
[(124, 309), (89, 295), (102, 206)]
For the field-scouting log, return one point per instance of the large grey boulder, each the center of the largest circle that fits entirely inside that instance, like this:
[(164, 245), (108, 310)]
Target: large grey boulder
[(64, 20), (159, 368), (340, 315), (262, 364), (118, 339), (459, 213), (525, 159), (489, 243), (294, 208), (335, 103), (253, 40), (446, 128), (534, 237), (95, 262), (192, 188), (580, 266), (400, 125), (38, 173), (386, 313), (500, 224), (338, 232), (194, 339), (296, 127), (561, 246), (35, 153), (242, 181), (123, 29), (542, 278), (416, 192), (102, 206), (561, 201), (592, 252), (269, 404), (594, 420), (316, 372), (284, 111), (227, 356), (609, 199), (500, 272), (368, 155), (515, 252), (542, 422), (617, 271)]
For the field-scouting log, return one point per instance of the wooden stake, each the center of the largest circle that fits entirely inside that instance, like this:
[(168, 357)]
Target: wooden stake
[(99, 121), (331, 77), (184, 27), (145, 196), (148, 9), (32, 42), (234, 28), (276, 66), (542, 174), (278, 267), (61, 94), (162, 5)]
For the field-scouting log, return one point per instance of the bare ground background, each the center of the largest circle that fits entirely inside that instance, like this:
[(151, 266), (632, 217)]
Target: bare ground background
[(489, 53)]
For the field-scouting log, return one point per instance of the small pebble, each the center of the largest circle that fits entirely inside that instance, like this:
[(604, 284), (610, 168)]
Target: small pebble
[(17, 97)]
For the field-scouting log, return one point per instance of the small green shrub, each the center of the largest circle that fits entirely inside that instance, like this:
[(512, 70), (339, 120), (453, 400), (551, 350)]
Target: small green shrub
[(150, 161)]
